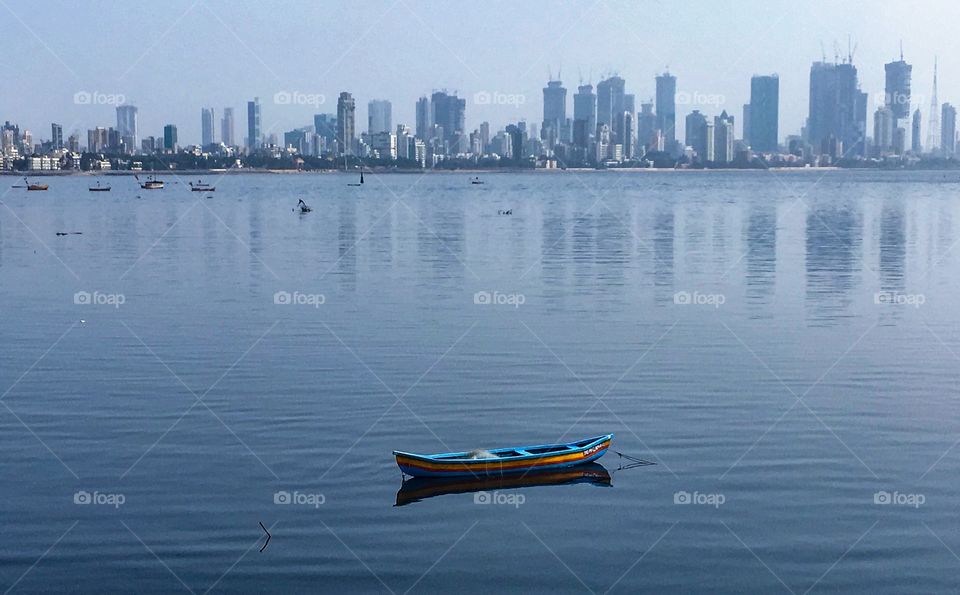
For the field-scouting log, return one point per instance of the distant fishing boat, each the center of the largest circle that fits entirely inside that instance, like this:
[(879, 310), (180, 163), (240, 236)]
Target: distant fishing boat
[(99, 188), (35, 186), (476, 181), (421, 488), (152, 183), (200, 186), (504, 460)]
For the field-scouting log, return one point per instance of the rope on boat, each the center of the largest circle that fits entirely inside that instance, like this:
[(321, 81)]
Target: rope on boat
[(636, 462)]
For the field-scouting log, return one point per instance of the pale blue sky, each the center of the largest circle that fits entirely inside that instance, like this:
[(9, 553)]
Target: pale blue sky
[(171, 58)]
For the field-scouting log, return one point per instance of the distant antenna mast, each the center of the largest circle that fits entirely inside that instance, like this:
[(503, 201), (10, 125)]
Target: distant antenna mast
[(933, 141)]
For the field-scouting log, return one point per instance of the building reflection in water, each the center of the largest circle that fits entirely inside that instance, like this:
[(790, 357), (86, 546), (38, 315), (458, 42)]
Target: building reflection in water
[(834, 237)]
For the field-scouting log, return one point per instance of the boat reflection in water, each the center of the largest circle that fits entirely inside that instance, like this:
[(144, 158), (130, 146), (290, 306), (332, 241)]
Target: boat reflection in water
[(421, 488)]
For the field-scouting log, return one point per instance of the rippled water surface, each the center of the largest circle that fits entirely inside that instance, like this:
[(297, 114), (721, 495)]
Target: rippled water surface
[(785, 347)]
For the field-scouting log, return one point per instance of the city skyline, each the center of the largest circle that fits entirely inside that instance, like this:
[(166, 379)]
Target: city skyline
[(613, 37)]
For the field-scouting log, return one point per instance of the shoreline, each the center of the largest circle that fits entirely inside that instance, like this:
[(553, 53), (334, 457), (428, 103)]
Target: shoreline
[(474, 172)]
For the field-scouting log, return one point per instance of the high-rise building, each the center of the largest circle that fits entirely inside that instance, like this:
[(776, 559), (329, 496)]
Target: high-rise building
[(379, 118), (647, 127), (723, 135), (449, 113), (696, 133), (948, 127), (610, 106), (897, 96), (746, 123), (484, 137), (667, 106), (97, 140), (764, 113), (883, 126), (206, 127), (915, 146), (56, 136), (325, 126), (424, 123), (554, 112), (584, 116), (837, 122), (934, 130), (253, 124), (226, 128), (127, 126), (346, 123), (170, 138)]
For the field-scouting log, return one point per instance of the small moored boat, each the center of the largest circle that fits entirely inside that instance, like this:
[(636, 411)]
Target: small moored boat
[(152, 183), (202, 186), (504, 460), (99, 188)]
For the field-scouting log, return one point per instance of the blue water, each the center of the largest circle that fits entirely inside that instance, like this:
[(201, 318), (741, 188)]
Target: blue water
[(782, 404)]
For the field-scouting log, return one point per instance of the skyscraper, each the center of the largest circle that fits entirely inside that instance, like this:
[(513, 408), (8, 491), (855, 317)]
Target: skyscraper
[(226, 127), (127, 126), (484, 137), (584, 116), (170, 138), (934, 135), (253, 124), (883, 126), (554, 112), (646, 127), (346, 123), (667, 106), (764, 113), (723, 131), (696, 133), (56, 136), (610, 98), (916, 147), (948, 134), (206, 127), (897, 96), (838, 110), (379, 118), (449, 113), (424, 123)]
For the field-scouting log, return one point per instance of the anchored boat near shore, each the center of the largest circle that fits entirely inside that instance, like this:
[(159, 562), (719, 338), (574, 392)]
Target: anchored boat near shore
[(501, 461), (152, 183)]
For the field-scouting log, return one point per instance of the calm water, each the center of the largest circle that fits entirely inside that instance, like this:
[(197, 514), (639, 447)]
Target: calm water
[(780, 405)]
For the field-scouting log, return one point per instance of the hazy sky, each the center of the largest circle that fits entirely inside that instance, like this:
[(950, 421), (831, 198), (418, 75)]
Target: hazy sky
[(173, 57)]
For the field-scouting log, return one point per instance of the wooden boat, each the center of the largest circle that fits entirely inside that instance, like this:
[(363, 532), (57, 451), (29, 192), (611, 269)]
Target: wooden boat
[(501, 461), (37, 187), (421, 488)]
